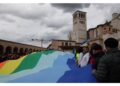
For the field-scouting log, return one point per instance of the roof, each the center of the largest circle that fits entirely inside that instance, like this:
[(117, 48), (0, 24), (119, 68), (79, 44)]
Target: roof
[(70, 47), (116, 16), (84, 41), (62, 40), (84, 45), (99, 25), (49, 45), (106, 23), (90, 29), (78, 11), (95, 39)]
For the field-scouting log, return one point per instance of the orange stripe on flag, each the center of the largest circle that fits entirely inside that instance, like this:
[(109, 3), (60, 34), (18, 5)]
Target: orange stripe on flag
[(2, 64)]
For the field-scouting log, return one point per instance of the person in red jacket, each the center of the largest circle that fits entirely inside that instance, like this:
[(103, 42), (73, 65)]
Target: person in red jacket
[(91, 61), (96, 53)]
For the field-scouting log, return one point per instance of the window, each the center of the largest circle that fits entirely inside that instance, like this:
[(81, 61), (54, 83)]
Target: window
[(82, 22), (114, 30), (82, 16), (66, 44), (75, 22), (75, 16), (79, 15), (62, 43), (96, 33)]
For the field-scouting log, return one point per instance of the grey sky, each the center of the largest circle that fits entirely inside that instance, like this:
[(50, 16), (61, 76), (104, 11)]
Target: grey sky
[(71, 7), (24, 22)]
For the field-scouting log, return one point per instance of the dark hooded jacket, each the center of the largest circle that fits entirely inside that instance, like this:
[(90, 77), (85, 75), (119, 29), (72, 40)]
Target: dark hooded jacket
[(109, 67), (96, 58)]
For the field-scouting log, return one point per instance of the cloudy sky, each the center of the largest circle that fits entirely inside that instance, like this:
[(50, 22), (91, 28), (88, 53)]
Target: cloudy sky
[(24, 22)]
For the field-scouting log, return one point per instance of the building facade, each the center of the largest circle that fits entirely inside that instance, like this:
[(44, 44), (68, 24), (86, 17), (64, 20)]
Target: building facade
[(14, 47), (103, 31), (63, 45), (79, 27)]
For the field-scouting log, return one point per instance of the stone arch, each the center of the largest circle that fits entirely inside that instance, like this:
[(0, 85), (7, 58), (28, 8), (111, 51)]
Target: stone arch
[(8, 50), (30, 50), (33, 50), (26, 50), (21, 51), (1, 49), (15, 50)]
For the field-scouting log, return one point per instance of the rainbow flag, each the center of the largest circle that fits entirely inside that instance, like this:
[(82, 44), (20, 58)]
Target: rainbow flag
[(44, 67)]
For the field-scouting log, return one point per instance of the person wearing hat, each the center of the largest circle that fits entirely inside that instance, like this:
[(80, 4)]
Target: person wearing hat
[(84, 56)]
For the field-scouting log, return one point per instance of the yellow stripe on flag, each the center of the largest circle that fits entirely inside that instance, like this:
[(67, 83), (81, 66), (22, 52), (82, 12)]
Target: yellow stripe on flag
[(10, 66)]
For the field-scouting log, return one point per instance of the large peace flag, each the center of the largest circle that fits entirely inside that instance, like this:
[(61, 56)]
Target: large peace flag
[(45, 67)]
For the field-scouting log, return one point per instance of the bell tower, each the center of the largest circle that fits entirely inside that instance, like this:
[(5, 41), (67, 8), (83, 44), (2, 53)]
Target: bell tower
[(79, 32)]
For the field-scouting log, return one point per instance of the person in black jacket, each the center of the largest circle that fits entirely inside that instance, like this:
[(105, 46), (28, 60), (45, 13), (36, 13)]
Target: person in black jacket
[(96, 53), (109, 66)]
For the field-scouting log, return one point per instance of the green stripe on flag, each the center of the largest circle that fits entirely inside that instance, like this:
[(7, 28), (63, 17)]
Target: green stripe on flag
[(48, 52), (31, 61)]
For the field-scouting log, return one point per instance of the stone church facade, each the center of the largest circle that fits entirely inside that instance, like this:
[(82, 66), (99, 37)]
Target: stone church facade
[(103, 31)]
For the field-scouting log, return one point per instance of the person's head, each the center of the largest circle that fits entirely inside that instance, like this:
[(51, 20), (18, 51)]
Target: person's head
[(85, 49), (111, 43), (95, 48), (79, 50)]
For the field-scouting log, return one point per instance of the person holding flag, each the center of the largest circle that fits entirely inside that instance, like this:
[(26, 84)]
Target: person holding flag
[(84, 56)]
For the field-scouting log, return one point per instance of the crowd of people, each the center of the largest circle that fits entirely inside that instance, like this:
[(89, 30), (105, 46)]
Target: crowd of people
[(105, 63), (12, 56)]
